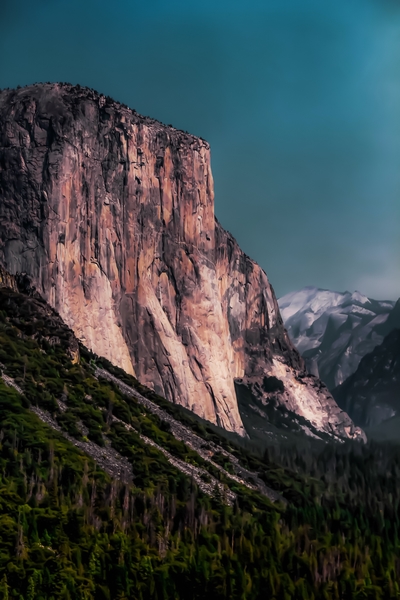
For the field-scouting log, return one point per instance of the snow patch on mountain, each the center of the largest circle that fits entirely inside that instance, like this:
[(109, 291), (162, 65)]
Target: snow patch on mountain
[(333, 330), (357, 297)]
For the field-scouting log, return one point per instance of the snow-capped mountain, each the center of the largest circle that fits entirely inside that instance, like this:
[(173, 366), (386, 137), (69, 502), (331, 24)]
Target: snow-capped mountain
[(333, 331)]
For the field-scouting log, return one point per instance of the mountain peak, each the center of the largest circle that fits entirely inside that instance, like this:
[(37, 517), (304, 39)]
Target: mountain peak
[(358, 297), (334, 330)]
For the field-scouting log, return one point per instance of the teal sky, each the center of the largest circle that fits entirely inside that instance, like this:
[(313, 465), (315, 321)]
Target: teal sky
[(300, 100)]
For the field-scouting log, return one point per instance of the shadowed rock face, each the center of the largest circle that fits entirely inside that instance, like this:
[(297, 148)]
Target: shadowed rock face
[(371, 394), (112, 217)]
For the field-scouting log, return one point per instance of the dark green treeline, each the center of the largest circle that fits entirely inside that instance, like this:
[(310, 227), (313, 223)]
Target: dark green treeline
[(67, 530)]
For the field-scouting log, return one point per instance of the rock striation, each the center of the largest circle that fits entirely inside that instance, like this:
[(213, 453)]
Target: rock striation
[(111, 215)]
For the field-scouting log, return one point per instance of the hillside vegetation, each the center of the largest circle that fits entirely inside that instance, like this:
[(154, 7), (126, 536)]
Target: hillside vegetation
[(99, 500)]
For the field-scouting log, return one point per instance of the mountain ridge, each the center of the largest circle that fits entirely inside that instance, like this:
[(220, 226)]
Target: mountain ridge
[(334, 330), (371, 394)]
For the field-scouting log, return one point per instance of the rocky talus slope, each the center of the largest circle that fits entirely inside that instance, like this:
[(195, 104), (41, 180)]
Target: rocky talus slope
[(111, 216), (91, 430), (205, 449)]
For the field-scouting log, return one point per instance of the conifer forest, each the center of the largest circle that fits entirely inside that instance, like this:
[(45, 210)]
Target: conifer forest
[(69, 529)]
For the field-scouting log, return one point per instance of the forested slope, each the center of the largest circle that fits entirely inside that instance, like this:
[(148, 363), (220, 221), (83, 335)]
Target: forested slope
[(74, 527)]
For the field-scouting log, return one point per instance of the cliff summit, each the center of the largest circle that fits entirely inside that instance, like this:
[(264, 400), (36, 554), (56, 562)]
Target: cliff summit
[(111, 215)]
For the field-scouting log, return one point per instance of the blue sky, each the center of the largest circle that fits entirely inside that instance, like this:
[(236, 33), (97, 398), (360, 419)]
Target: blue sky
[(300, 100)]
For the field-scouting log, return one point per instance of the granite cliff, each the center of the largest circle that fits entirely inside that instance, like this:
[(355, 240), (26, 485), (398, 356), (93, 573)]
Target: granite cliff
[(111, 216)]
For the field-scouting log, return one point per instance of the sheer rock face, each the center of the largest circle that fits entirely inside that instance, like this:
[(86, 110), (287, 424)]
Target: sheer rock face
[(112, 217)]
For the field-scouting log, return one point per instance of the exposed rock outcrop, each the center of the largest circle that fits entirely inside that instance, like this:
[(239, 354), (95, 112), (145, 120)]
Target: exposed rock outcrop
[(111, 215)]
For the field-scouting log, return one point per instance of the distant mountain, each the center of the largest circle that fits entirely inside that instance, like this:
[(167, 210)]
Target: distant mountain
[(371, 395), (333, 331)]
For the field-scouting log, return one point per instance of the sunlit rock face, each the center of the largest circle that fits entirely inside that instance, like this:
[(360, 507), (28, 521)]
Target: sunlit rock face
[(111, 215)]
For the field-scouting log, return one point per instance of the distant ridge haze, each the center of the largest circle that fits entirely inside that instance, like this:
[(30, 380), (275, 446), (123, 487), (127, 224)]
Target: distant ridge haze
[(334, 330)]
